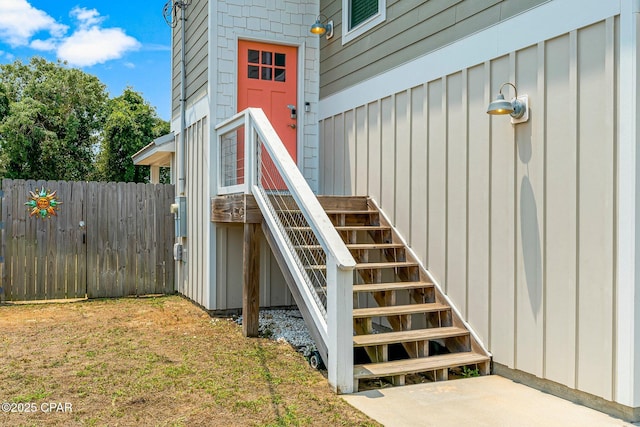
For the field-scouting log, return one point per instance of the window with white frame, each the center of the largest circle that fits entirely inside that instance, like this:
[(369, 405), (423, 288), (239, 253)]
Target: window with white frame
[(359, 16)]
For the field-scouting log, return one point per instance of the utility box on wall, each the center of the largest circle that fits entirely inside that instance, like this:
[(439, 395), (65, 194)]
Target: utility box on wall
[(177, 252), (179, 209)]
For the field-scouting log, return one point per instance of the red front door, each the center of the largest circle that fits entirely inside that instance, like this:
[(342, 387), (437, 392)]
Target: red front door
[(267, 78)]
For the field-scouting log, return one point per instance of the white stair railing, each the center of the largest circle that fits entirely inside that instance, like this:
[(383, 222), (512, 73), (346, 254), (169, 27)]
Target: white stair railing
[(252, 159)]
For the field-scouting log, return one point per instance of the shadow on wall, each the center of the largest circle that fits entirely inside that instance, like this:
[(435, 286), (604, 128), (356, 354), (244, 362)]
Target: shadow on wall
[(529, 226), (531, 248)]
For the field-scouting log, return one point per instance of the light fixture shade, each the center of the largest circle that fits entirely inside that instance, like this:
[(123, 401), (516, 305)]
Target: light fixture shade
[(318, 28), (500, 106)]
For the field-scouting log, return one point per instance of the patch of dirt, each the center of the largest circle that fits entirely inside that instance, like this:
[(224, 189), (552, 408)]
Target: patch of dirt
[(153, 361)]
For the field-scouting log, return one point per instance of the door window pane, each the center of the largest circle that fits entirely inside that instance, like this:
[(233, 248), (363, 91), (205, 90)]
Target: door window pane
[(253, 56), (253, 72), (279, 75), (266, 73)]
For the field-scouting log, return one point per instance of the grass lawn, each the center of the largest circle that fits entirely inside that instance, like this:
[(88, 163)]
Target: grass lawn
[(153, 362)]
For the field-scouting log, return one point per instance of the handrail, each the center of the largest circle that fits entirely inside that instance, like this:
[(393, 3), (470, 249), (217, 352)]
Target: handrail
[(247, 171), (329, 238)]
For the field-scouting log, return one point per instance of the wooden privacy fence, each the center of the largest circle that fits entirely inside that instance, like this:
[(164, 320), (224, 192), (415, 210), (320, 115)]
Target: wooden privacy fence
[(106, 240)]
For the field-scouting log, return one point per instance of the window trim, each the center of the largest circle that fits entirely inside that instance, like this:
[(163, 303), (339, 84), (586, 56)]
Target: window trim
[(363, 27)]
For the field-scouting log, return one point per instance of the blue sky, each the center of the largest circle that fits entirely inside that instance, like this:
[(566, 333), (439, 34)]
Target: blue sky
[(122, 43)]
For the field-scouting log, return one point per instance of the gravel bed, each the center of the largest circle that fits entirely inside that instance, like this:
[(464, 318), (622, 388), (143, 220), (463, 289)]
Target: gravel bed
[(285, 326)]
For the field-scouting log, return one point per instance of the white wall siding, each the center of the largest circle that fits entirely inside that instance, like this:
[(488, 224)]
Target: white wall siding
[(273, 288), (596, 148), (478, 207), (418, 158), (561, 229), (194, 273), (436, 194), (517, 223), (502, 229)]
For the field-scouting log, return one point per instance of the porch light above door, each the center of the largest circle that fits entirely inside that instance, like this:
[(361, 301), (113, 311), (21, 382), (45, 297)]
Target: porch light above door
[(319, 28), (517, 108)]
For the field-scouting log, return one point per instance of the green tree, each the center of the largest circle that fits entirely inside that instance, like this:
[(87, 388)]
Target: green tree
[(50, 119), (131, 123)]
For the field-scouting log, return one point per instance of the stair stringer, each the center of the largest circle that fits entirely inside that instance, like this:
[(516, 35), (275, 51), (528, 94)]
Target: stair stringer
[(476, 343)]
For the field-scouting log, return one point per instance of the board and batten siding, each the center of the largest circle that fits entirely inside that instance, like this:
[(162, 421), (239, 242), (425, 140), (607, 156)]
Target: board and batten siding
[(273, 288), (411, 28), (196, 51), (516, 223), (193, 273)]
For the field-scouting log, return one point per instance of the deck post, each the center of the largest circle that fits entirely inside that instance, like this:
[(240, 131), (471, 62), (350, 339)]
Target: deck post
[(250, 280), (340, 327)]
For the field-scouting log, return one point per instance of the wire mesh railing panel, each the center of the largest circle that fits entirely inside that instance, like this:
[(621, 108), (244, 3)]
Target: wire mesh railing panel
[(302, 242), (232, 154)]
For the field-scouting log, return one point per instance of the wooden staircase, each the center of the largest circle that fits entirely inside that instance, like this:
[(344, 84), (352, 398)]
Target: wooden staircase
[(402, 323)]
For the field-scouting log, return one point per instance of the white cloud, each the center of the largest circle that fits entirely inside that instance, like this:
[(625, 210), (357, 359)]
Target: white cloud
[(95, 46), (86, 17), (19, 21), (44, 45), (89, 44)]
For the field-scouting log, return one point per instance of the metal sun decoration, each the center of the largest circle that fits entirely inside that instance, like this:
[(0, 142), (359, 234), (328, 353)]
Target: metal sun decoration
[(44, 204)]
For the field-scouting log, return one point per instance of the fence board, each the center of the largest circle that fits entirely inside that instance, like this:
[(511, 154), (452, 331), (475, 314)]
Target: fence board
[(31, 279), (131, 226), (8, 242), (5, 235), (19, 224), (150, 239), (120, 231), (78, 242), (61, 248), (90, 209), (125, 248), (3, 249), (169, 230)]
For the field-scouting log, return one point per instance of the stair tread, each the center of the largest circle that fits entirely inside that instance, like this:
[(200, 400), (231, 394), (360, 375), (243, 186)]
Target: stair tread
[(346, 228), (369, 265), (390, 286), (389, 264), (374, 245), (362, 227), (358, 246), (408, 336), (353, 212), (395, 310), (336, 211), (412, 366)]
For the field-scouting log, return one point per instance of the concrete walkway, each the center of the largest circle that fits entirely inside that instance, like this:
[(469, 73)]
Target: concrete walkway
[(491, 401)]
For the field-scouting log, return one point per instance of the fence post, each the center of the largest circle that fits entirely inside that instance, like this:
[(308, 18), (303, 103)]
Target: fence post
[(340, 326)]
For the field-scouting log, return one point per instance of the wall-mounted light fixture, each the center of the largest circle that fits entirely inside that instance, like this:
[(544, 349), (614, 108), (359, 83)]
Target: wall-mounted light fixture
[(517, 108), (319, 28)]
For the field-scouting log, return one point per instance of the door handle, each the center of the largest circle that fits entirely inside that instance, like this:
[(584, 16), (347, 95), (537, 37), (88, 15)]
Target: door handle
[(292, 125)]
